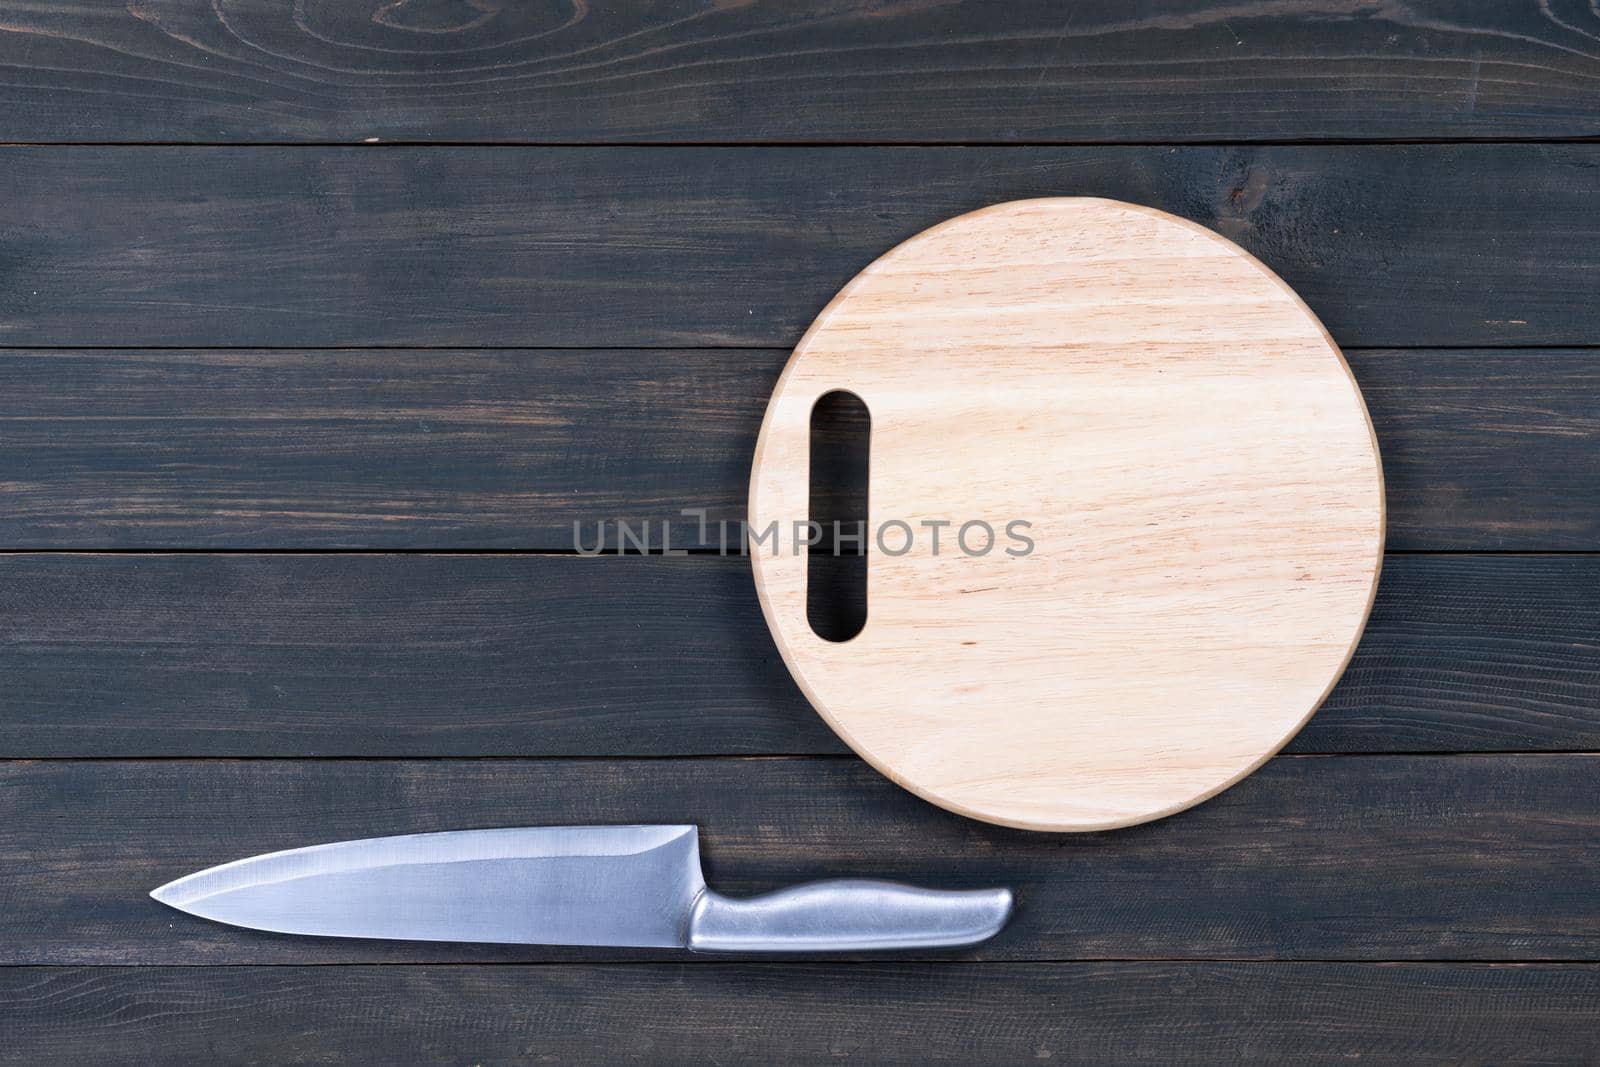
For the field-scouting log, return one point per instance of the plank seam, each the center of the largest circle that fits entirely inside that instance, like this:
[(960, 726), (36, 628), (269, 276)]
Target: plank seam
[(1564, 346), (632, 553), (847, 961), (1169, 142), (744, 757)]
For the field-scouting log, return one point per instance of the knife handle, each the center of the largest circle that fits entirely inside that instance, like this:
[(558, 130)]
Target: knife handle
[(847, 915)]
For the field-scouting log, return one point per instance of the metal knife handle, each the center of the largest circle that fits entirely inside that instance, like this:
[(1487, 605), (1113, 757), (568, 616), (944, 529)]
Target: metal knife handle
[(847, 915)]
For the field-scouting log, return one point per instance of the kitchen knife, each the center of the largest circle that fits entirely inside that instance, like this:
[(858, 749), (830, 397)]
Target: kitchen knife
[(637, 886)]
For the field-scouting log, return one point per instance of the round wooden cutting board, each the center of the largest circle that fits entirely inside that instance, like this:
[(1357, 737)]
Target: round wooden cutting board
[(1201, 489)]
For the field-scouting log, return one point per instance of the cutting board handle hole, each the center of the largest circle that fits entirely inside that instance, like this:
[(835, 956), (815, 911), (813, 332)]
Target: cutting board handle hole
[(836, 563)]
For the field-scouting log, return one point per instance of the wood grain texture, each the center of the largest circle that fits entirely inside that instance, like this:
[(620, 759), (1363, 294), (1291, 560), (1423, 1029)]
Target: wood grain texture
[(373, 449), (450, 70), (416, 655), (1194, 468), (1521, 435), (1160, 1014), (1402, 245), (385, 655), (459, 448), (1371, 858)]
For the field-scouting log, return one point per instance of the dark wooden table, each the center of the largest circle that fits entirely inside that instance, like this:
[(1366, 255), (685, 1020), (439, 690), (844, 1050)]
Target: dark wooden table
[(323, 322)]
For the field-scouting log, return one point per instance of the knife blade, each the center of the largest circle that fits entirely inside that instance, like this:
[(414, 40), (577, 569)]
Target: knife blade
[(631, 886)]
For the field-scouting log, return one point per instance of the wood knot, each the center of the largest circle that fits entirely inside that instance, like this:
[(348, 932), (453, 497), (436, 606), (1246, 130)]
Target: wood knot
[(437, 16), (1244, 194)]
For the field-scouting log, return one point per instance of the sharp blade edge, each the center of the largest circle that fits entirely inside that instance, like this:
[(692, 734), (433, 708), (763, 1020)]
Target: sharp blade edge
[(628, 886)]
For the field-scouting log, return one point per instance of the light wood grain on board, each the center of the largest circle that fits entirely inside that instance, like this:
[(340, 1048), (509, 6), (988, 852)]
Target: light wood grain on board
[(1201, 484)]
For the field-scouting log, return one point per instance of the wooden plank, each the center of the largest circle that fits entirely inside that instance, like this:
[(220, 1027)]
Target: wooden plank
[(1400, 245), (130, 448), (372, 449), (418, 655), (873, 71), (1520, 671), (1487, 450), (1366, 858), (1063, 1013), (388, 655)]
